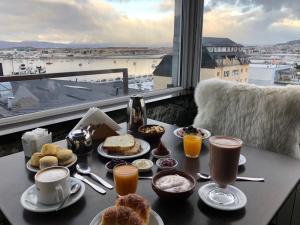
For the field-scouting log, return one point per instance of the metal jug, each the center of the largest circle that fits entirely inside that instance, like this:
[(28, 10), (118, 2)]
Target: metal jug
[(136, 113), (80, 141)]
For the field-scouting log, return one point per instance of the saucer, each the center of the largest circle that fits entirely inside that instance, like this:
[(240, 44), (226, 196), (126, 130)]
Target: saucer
[(239, 198), (29, 199), (242, 160)]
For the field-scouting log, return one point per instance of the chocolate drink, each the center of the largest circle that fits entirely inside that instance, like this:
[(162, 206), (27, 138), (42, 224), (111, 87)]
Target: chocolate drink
[(224, 159)]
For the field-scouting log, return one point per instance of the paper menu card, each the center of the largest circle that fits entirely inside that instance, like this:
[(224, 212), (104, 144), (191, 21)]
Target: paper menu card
[(95, 116)]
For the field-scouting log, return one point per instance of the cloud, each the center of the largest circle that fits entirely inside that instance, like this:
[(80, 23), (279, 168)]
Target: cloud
[(253, 21), (167, 5), (93, 21)]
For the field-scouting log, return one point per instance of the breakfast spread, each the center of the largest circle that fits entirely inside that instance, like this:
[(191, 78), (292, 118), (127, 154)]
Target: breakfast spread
[(51, 155), (142, 164), (122, 145), (131, 209), (161, 150), (173, 183), (189, 130)]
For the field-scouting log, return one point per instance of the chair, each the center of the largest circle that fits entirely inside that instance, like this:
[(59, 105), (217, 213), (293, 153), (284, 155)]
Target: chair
[(263, 117)]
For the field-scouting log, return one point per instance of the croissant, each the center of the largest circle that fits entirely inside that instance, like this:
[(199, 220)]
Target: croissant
[(136, 202), (120, 216)]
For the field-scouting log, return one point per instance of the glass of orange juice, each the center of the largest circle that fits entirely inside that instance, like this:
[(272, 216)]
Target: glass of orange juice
[(192, 144), (126, 179)]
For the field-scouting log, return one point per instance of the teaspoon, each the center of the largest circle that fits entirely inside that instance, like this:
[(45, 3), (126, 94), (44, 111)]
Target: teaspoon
[(204, 176), (74, 189)]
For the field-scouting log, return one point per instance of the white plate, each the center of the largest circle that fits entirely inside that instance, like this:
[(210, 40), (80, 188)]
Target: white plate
[(242, 160), (207, 134), (240, 199), (153, 220), (145, 148), (34, 169), (29, 199)]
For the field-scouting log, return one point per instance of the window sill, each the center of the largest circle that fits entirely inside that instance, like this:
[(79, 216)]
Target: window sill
[(53, 116)]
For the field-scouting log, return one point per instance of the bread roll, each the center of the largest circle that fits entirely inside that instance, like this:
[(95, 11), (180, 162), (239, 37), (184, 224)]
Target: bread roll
[(136, 202), (120, 216), (49, 149), (48, 161), (35, 159), (64, 156)]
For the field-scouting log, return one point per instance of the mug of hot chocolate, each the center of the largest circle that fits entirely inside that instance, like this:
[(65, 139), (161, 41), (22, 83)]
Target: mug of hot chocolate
[(52, 184), (224, 159)]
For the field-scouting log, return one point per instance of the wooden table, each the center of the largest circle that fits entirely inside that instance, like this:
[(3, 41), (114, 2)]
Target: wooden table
[(264, 199)]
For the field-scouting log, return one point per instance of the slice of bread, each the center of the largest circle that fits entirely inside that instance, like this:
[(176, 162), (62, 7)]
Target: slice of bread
[(134, 150), (118, 144)]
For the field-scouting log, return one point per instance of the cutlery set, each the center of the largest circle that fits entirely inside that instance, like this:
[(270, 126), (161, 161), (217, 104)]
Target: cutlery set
[(86, 170)]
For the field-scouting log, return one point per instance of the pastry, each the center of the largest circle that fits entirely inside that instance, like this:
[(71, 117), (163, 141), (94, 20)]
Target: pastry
[(48, 161), (35, 159), (64, 156), (136, 202), (120, 216), (49, 149)]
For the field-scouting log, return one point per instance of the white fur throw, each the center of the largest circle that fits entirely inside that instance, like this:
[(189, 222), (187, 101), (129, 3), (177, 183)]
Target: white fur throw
[(263, 117)]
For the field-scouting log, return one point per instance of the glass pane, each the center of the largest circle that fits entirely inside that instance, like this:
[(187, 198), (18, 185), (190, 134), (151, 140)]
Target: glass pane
[(252, 41), (75, 39)]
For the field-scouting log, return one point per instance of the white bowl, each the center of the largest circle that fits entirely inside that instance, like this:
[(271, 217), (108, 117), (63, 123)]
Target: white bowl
[(148, 168), (160, 156), (158, 163), (111, 170)]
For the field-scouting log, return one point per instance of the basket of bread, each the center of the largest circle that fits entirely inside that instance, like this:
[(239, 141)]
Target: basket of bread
[(51, 155)]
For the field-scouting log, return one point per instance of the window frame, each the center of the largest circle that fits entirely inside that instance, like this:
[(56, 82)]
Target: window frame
[(188, 75)]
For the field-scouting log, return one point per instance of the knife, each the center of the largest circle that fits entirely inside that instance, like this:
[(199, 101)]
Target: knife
[(94, 186)]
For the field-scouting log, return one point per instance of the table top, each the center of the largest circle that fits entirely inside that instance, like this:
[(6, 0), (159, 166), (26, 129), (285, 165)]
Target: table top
[(264, 199)]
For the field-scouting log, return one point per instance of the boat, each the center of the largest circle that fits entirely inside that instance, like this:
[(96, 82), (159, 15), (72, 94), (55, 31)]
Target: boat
[(49, 63)]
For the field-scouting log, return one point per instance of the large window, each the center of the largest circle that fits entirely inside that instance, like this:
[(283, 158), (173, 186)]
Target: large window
[(261, 40), (85, 51)]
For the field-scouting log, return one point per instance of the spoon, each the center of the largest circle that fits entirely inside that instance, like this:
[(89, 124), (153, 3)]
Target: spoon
[(87, 171), (74, 189), (141, 177), (204, 176)]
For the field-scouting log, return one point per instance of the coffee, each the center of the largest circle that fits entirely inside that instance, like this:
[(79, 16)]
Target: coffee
[(224, 158), (51, 175)]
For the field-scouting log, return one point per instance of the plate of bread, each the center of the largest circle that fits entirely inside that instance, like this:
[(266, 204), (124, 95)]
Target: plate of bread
[(51, 155), (131, 209), (123, 147)]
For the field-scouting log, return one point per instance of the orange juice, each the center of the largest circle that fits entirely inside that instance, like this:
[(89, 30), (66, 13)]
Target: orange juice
[(126, 179), (192, 145)]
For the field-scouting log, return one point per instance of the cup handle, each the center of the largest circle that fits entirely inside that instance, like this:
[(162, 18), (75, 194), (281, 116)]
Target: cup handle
[(60, 193)]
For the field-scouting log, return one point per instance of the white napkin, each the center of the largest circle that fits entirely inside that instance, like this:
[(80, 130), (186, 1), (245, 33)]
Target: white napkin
[(95, 116)]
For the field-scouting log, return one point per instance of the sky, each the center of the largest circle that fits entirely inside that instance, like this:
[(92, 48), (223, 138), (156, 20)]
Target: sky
[(145, 22)]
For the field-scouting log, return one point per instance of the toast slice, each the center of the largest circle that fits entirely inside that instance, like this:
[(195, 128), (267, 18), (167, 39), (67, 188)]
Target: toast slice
[(118, 144), (134, 150)]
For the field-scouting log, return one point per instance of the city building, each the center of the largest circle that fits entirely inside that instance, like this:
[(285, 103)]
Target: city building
[(221, 58)]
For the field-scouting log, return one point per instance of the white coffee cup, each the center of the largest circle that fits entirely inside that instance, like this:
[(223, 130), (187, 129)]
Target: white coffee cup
[(52, 184)]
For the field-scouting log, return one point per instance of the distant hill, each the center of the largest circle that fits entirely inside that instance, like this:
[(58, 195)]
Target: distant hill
[(294, 42), (38, 44)]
